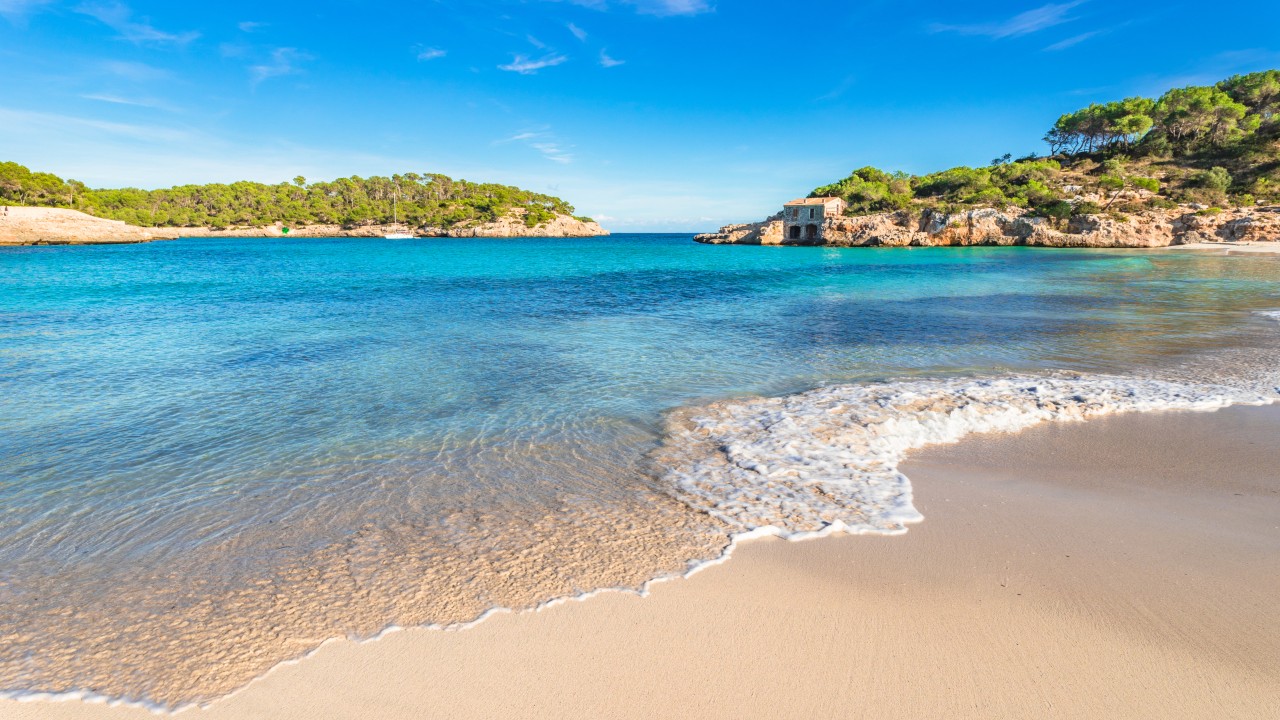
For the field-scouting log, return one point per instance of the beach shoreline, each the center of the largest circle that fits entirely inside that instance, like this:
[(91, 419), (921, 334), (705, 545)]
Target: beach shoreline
[(24, 226), (1230, 248), (1124, 566)]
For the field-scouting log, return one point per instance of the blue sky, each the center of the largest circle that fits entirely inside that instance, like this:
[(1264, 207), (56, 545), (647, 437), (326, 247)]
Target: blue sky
[(651, 115)]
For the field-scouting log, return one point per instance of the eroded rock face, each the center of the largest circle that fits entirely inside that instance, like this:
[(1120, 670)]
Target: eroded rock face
[(989, 226), (513, 226), (889, 230), (768, 232), (1123, 232), (1193, 228), (1262, 225), (984, 226), (510, 226)]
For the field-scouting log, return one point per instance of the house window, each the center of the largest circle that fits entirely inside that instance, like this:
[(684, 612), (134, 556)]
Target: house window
[(811, 213), (795, 213)]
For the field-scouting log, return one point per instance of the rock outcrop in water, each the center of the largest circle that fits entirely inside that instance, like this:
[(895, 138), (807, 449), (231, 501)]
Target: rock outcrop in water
[(988, 226), (57, 226)]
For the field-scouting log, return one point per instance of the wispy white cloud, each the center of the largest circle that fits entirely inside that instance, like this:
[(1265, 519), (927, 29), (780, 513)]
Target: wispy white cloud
[(608, 62), (107, 154), (135, 102), (24, 122), (536, 42), (16, 11), (1234, 60), (577, 32), (133, 71), (111, 99), (839, 90), (552, 152), (671, 7), (661, 8), (1072, 41), (251, 26), (525, 65), (119, 17), (1099, 90), (432, 54), (544, 142), (284, 61), (1026, 23)]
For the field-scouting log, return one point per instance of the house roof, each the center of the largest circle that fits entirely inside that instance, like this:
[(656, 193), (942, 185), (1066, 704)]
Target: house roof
[(812, 201)]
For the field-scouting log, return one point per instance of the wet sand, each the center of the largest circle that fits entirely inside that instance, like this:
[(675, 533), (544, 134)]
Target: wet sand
[(1127, 567)]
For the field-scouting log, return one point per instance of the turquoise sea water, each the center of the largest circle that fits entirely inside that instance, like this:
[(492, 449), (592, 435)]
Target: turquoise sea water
[(186, 422)]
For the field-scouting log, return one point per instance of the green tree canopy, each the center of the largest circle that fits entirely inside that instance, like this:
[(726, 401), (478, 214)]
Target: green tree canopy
[(1196, 116), (1259, 92), (1099, 126), (427, 199)]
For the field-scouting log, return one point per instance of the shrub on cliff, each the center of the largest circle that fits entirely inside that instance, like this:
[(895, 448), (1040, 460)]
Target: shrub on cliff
[(870, 190), (1022, 183), (1216, 178)]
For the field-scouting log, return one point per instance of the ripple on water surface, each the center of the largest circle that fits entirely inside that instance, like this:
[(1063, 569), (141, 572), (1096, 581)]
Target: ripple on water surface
[(216, 454)]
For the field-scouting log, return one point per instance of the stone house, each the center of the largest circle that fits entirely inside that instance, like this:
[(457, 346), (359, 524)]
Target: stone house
[(804, 219)]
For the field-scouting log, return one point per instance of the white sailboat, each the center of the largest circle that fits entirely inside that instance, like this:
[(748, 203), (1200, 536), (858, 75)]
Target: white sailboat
[(395, 217)]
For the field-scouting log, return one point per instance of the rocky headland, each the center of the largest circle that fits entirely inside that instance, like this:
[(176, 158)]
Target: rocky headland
[(1013, 226), (1197, 166), (58, 226)]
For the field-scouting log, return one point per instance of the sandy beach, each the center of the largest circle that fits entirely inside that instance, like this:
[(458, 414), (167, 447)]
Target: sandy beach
[(1230, 248), (1127, 567)]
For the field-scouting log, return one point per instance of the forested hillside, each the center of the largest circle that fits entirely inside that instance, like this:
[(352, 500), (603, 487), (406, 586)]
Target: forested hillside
[(429, 200), (1217, 146)]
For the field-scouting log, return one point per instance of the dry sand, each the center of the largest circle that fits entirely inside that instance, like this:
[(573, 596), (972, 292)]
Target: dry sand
[(1128, 568)]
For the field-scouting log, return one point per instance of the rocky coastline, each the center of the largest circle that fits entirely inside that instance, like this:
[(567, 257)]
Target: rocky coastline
[(1012, 226), (58, 226)]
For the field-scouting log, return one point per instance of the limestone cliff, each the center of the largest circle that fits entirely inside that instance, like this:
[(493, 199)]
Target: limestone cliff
[(1153, 228), (56, 226), (507, 227), (513, 226)]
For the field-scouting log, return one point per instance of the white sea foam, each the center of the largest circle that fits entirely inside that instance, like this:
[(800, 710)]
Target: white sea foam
[(827, 460)]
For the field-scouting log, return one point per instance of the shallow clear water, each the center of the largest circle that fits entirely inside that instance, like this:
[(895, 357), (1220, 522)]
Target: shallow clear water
[(280, 441)]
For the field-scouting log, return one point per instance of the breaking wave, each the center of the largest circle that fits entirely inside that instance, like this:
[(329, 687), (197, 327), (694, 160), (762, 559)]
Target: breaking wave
[(827, 460)]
